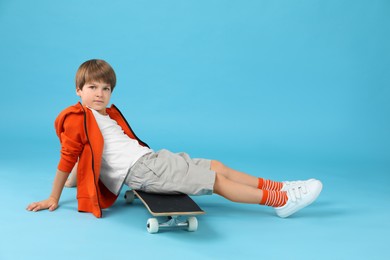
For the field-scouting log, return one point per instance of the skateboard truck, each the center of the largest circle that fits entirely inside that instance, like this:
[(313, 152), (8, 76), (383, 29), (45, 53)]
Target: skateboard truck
[(178, 210), (173, 222)]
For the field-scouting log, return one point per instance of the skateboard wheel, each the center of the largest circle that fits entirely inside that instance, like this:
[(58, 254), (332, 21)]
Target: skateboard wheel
[(129, 196), (192, 224), (152, 225)]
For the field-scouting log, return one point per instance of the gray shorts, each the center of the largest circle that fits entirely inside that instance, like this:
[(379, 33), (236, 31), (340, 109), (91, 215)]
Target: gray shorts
[(167, 172)]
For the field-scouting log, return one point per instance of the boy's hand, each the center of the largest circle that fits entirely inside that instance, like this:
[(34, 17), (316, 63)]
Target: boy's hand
[(50, 204)]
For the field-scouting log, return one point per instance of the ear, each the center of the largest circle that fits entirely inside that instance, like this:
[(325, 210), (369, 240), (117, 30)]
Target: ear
[(78, 92)]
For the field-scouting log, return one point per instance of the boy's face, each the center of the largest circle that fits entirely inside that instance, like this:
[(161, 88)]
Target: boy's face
[(95, 95)]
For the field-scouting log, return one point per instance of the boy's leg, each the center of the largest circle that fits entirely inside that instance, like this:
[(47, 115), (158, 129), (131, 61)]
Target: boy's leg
[(234, 175), (245, 178), (284, 202), (235, 191), (242, 193)]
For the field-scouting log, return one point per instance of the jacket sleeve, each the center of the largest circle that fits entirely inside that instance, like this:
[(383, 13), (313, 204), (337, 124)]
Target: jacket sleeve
[(70, 132)]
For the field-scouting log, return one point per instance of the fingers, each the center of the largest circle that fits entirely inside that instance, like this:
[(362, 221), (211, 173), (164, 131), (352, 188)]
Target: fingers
[(34, 207), (53, 207), (37, 206)]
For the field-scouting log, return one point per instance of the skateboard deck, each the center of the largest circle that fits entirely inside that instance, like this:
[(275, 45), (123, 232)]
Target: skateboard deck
[(165, 205), (169, 205)]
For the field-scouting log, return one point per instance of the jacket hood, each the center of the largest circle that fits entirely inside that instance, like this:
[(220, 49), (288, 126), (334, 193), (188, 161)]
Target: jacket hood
[(59, 122)]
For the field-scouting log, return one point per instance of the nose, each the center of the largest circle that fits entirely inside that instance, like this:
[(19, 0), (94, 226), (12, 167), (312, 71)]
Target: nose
[(99, 92)]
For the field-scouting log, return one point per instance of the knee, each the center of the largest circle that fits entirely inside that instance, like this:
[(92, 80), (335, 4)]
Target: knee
[(217, 166)]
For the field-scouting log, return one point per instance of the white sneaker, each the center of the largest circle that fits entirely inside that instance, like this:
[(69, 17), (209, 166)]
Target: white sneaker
[(300, 196), (291, 184)]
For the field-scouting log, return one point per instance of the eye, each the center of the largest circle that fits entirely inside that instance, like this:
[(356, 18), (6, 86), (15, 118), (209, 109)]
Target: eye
[(107, 89)]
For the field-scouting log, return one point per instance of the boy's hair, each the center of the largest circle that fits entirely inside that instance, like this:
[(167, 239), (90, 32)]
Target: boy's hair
[(95, 71)]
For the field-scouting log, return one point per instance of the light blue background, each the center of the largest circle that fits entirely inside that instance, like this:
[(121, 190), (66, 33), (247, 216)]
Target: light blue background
[(280, 89)]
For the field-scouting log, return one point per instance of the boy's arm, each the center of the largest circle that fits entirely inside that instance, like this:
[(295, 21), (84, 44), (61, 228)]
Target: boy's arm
[(52, 202), (72, 179)]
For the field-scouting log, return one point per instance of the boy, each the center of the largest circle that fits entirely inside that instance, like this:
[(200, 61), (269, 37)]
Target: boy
[(109, 154)]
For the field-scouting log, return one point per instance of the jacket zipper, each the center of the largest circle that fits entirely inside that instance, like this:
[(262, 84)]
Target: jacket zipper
[(93, 158), (124, 119)]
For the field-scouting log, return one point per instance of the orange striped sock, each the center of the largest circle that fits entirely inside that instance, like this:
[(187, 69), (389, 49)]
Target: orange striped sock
[(274, 198), (269, 185)]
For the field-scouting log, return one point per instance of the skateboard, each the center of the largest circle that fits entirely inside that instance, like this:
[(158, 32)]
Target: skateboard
[(173, 207)]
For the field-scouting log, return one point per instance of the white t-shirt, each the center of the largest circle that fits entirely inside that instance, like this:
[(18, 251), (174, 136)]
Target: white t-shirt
[(120, 152)]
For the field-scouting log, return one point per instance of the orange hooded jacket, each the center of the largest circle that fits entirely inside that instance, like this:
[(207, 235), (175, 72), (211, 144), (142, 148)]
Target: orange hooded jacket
[(82, 141)]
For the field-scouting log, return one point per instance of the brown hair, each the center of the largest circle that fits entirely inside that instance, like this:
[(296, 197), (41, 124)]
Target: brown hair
[(95, 70)]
